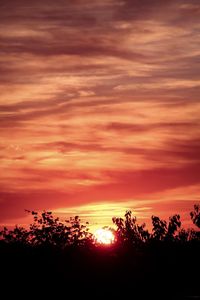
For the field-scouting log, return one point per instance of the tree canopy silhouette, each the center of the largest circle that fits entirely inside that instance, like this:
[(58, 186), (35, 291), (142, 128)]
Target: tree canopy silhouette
[(51, 253), (195, 215), (49, 230)]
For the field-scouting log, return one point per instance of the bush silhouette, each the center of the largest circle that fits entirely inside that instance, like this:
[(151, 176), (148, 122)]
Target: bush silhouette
[(47, 230), (159, 228), (64, 256), (129, 231), (195, 215)]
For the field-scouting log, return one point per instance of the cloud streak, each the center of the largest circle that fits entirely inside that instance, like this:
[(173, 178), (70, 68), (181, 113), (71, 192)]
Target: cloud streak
[(99, 103)]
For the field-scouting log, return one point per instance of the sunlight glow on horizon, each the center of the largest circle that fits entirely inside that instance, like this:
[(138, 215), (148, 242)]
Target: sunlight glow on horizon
[(104, 236)]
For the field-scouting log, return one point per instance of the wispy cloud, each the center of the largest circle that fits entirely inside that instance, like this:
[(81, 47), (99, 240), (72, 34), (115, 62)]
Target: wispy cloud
[(99, 100)]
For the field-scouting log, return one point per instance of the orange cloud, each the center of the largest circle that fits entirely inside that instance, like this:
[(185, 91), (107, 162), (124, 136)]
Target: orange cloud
[(99, 104)]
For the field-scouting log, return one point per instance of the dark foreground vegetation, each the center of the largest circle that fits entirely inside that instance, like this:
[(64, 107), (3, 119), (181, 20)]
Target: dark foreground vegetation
[(55, 257)]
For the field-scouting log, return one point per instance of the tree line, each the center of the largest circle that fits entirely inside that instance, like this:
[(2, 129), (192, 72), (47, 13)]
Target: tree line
[(49, 230)]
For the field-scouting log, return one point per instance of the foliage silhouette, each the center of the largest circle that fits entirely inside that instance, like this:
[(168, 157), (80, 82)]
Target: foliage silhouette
[(64, 256), (49, 231), (159, 228), (129, 231), (195, 215)]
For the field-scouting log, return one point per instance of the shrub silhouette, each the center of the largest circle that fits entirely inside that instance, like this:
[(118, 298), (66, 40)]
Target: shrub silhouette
[(159, 228), (195, 215), (174, 224), (162, 231), (129, 231), (17, 235), (64, 256), (49, 231)]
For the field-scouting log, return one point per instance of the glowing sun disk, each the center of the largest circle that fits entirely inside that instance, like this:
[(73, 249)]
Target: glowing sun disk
[(104, 236)]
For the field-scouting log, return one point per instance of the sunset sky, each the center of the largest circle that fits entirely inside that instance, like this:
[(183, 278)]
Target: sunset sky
[(99, 108)]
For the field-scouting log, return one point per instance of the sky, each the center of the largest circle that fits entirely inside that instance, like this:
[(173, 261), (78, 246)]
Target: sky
[(99, 108)]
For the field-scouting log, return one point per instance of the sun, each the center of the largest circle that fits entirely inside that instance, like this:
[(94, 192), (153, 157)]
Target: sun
[(104, 236)]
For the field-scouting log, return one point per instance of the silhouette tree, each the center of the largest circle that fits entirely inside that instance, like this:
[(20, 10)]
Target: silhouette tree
[(58, 255), (162, 231), (18, 235), (129, 231), (78, 233), (159, 228), (174, 224), (49, 231), (195, 215)]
